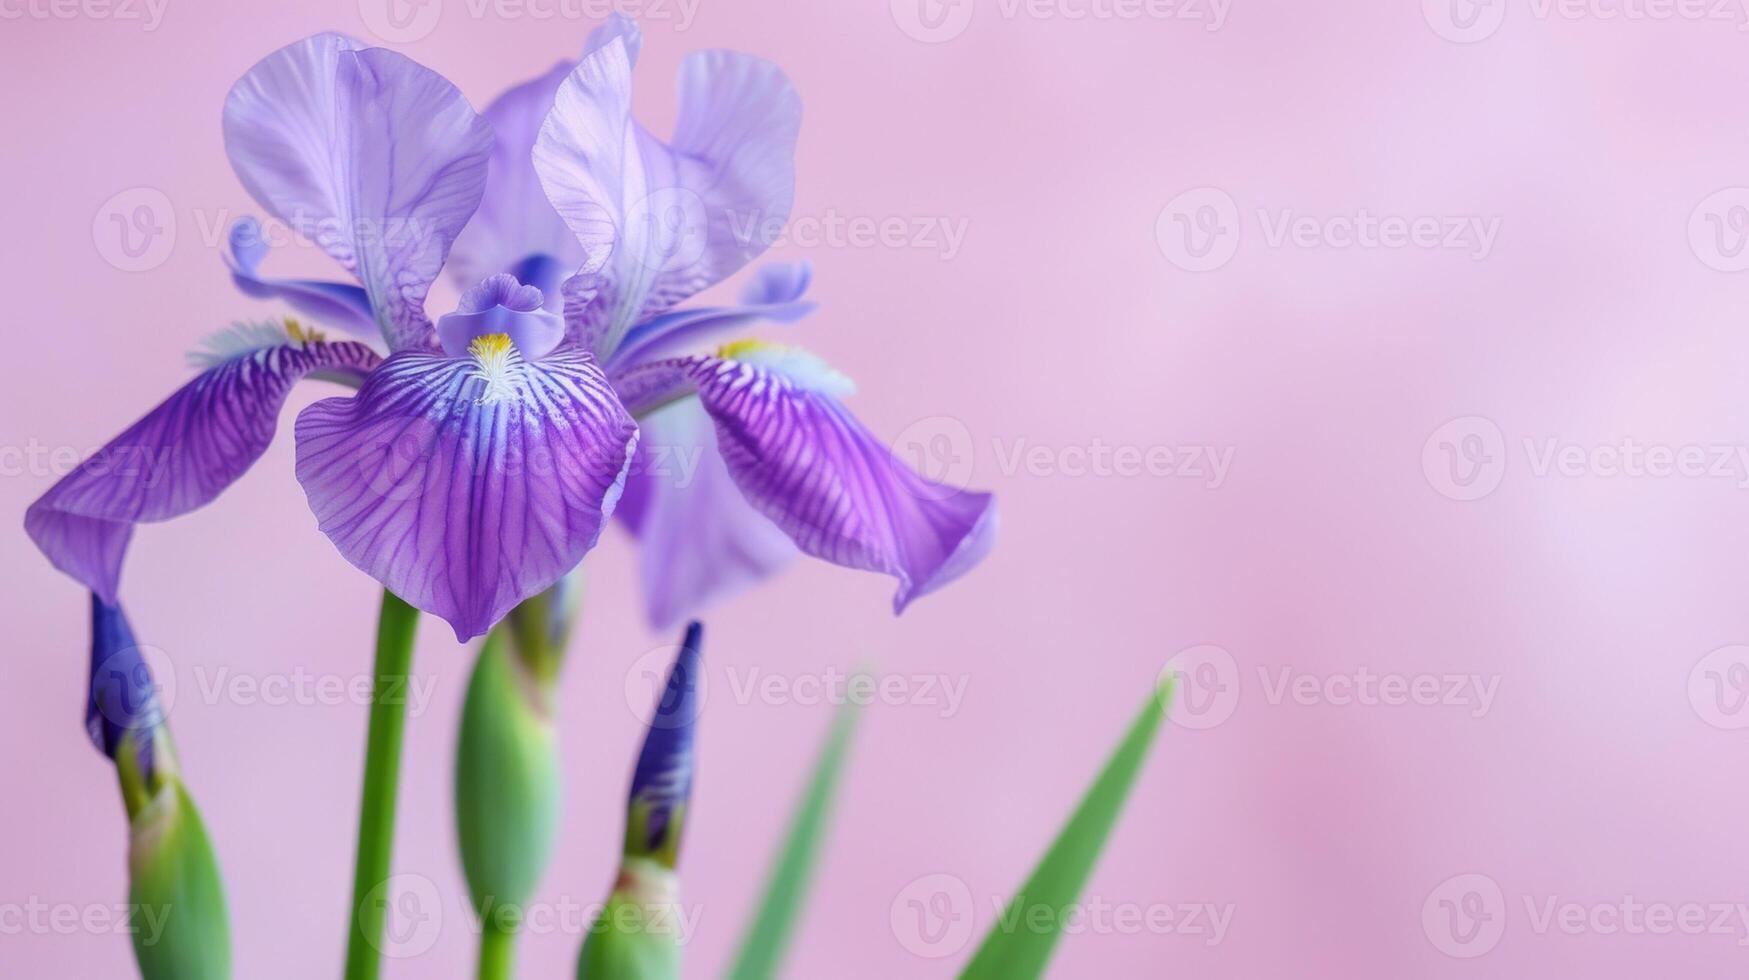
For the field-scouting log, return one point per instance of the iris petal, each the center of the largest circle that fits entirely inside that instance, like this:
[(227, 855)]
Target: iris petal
[(459, 503), (376, 158), (804, 462), (336, 304), (774, 296), (659, 222), (699, 539), (177, 458)]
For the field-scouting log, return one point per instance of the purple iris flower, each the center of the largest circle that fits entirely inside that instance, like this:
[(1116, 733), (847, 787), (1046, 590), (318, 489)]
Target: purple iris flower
[(477, 462)]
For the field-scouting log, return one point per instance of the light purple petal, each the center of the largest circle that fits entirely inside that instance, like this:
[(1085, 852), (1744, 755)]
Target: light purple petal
[(802, 460), (377, 159), (461, 506), (515, 219), (699, 540), (774, 296), (177, 458), (659, 222), (336, 304)]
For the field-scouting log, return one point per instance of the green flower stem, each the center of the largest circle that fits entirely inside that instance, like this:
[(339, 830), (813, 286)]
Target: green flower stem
[(497, 950), (382, 769)]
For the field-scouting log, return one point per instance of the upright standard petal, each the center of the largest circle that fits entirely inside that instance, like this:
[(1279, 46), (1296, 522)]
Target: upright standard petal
[(467, 486), (699, 540), (659, 222), (808, 465), (515, 220), (180, 456), (378, 159)]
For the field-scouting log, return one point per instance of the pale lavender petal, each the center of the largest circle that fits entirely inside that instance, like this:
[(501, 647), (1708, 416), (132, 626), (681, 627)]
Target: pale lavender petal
[(500, 304), (774, 296), (177, 458), (699, 540), (515, 220), (337, 304), (461, 505), (660, 222), (377, 159)]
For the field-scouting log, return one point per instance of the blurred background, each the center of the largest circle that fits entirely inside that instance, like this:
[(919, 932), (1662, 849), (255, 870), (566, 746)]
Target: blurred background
[(1381, 361)]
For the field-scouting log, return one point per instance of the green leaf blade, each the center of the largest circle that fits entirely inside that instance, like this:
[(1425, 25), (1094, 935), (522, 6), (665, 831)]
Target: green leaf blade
[(1015, 949), (767, 939)]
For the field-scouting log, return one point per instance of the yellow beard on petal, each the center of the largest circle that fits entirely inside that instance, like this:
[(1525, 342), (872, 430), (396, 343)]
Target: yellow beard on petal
[(495, 361)]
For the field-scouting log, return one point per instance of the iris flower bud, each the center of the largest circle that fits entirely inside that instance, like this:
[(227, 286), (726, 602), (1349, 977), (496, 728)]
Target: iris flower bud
[(507, 786), (183, 931), (638, 934)]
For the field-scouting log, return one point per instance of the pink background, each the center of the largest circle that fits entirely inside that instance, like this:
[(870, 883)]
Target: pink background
[(1608, 764)]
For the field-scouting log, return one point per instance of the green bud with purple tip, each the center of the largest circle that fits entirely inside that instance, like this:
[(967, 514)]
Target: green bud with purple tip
[(507, 784), (640, 931), (183, 930)]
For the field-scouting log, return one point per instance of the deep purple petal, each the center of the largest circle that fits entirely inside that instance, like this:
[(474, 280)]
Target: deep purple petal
[(699, 540), (176, 458), (659, 222), (806, 463), (379, 160), (337, 304), (774, 296), (462, 506)]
